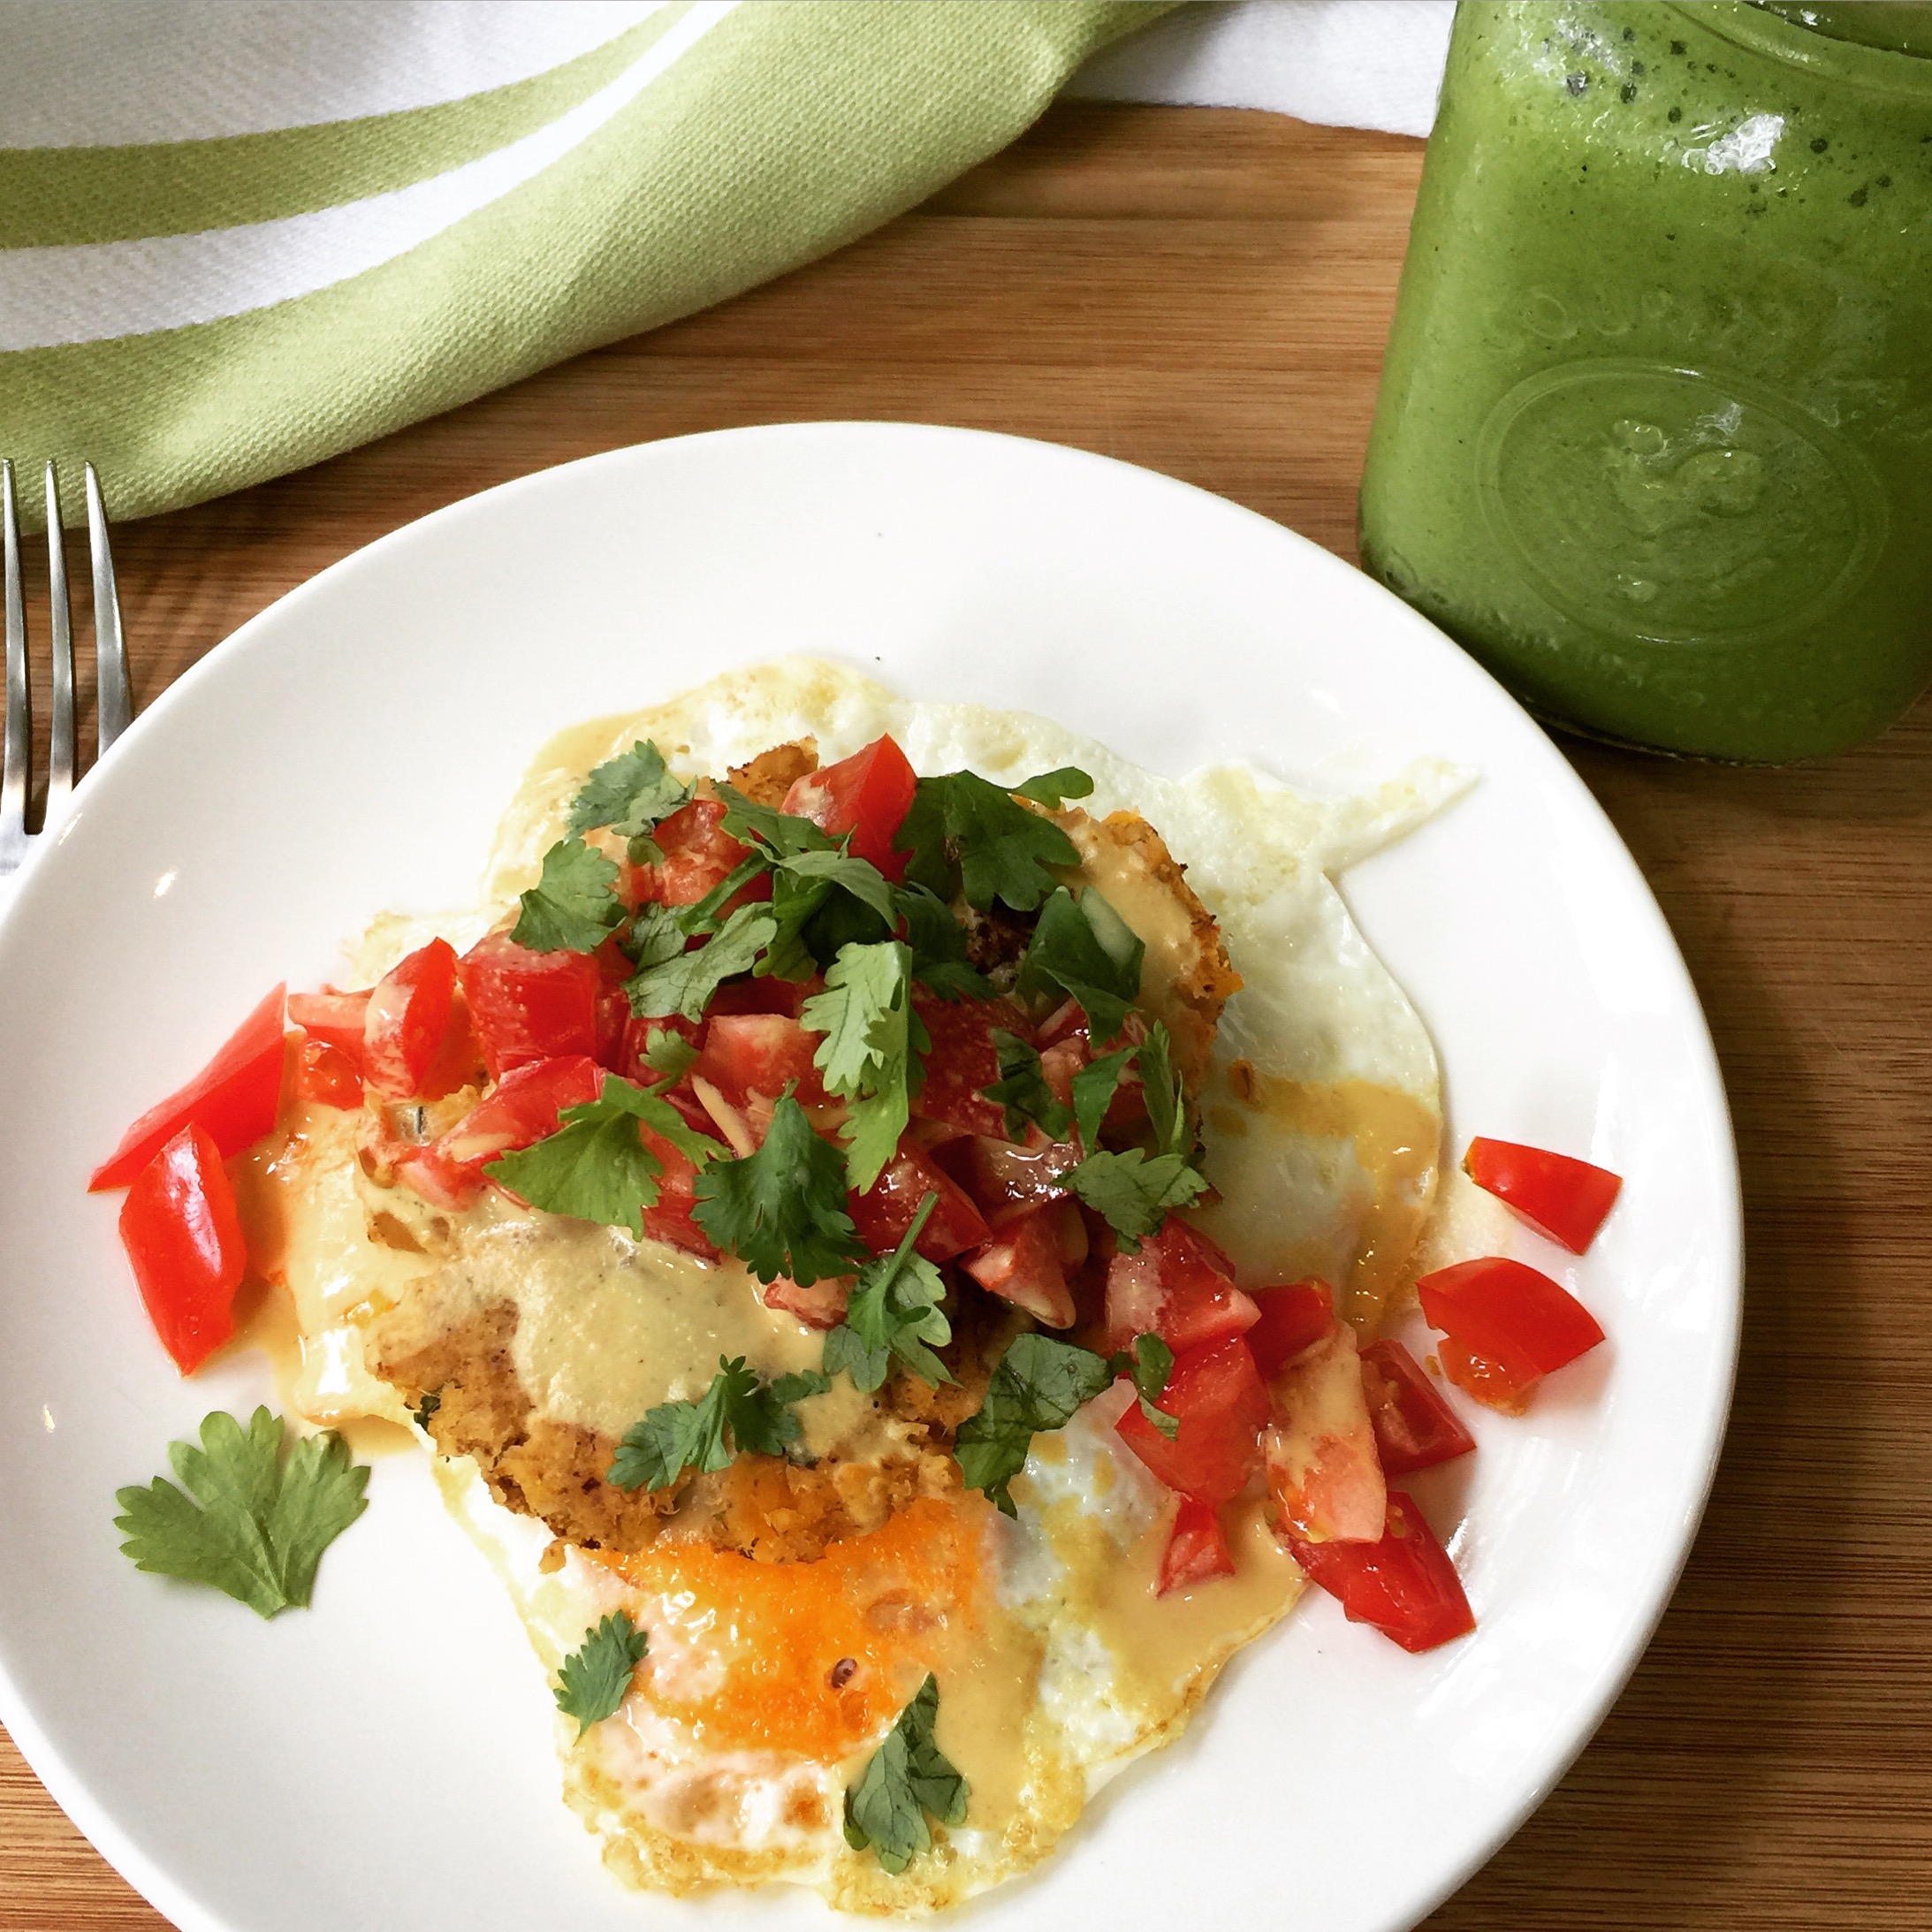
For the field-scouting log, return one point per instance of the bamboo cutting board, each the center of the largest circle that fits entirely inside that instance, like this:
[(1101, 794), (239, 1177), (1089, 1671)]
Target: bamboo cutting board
[(1206, 293)]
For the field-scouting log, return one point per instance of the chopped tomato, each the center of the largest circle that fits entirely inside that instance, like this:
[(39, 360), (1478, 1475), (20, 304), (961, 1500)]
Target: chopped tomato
[(1414, 1428), (182, 1232), (408, 1015), (1197, 1549), (1026, 1264), (698, 854), (670, 1219), (1292, 1319), (233, 1098), (526, 1005), (820, 1304), (1405, 1584), (1218, 1399), (1323, 1473), (1564, 1198), (1179, 1286), (867, 794), (337, 1018), (770, 994), (523, 1107), (961, 1061), (1508, 1326), (1007, 1181), (746, 1054), (326, 1076), (886, 1210)]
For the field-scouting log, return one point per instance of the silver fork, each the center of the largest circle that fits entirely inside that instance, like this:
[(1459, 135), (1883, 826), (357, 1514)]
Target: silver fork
[(114, 705)]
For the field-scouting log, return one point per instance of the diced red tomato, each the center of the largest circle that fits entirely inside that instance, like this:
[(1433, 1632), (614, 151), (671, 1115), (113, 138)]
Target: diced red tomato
[(1414, 1428), (867, 794), (327, 1077), (1026, 1264), (1197, 1549), (337, 1018), (1179, 1286), (523, 1107), (1007, 1181), (1509, 1318), (820, 1304), (698, 854), (886, 1210), (746, 1054), (1323, 1473), (670, 1219), (962, 1060), (182, 1232), (233, 1098), (526, 1005), (408, 1015), (1405, 1584), (1564, 1198), (1292, 1319), (770, 994), (1218, 1399)]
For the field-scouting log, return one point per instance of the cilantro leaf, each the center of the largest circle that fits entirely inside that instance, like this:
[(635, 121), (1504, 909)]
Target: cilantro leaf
[(1038, 1384), (1022, 1090), (939, 946), (596, 1677), (1133, 1191), (654, 936), (685, 981), (573, 905), (1093, 1090), (670, 1053), (893, 1309), (871, 1053), (1150, 1362), (962, 828), (781, 1210), (823, 901), (432, 1400), (246, 1521), (908, 1779), (1053, 788), (629, 792), (860, 877), (738, 1414), (595, 1165), (705, 915), (1082, 948), (782, 833), (1167, 1102)]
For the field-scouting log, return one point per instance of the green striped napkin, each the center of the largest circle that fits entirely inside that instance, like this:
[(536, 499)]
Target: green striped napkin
[(238, 237)]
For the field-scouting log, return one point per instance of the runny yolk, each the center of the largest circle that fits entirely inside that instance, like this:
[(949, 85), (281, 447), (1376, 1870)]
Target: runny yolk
[(809, 1657)]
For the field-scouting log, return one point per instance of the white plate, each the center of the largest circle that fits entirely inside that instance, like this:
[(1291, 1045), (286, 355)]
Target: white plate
[(386, 1761)]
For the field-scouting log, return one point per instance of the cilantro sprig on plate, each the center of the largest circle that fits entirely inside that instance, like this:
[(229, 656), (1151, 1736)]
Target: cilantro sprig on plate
[(908, 1780), (596, 1678), (893, 1314), (740, 1414), (782, 1209)]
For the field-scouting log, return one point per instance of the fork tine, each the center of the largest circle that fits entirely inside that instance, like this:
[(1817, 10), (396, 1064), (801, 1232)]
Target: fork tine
[(16, 762), (60, 745), (116, 701)]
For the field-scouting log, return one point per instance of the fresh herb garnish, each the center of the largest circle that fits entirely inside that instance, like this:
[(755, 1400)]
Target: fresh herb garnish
[(1053, 788), (1135, 1191), (1150, 1362), (1093, 1090), (966, 835), (630, 793), (573, 904), (669, 1053), (939, 947), (870, 1056), (739, 1414), (420, 1413), (595, 1165), (908, 1780), (1022, 1090), (1038, 1384), (1082, 948), (893, 1309), (246, 1521), (683, 983), (782, 1209), (596, 1677)]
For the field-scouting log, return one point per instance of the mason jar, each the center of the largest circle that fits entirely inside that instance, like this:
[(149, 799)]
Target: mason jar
[(1654, 434)]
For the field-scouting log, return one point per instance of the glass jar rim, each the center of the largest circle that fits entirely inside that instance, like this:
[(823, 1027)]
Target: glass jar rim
[(1759, 32)]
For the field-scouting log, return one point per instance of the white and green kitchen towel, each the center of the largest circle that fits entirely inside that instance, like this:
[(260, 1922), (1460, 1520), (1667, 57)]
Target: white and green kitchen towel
[(239, 236)]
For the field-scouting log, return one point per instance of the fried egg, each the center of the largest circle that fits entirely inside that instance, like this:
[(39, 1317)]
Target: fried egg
[(768, 1685)]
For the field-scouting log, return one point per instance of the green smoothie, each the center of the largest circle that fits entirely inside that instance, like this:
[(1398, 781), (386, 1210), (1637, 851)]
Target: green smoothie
[(1654, 434)]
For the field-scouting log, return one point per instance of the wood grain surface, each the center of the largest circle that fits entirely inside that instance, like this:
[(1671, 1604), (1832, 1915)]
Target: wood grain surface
[(1208, 292)]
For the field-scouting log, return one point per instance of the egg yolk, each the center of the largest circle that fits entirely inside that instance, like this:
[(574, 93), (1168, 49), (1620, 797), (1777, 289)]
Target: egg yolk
[(809, 1657)]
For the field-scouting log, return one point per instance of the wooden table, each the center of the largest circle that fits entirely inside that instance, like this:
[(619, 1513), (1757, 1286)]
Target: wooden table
[(1206, 293)]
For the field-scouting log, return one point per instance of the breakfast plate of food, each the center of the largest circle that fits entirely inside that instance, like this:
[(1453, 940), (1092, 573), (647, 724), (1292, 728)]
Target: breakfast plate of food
[(940, 1175)]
